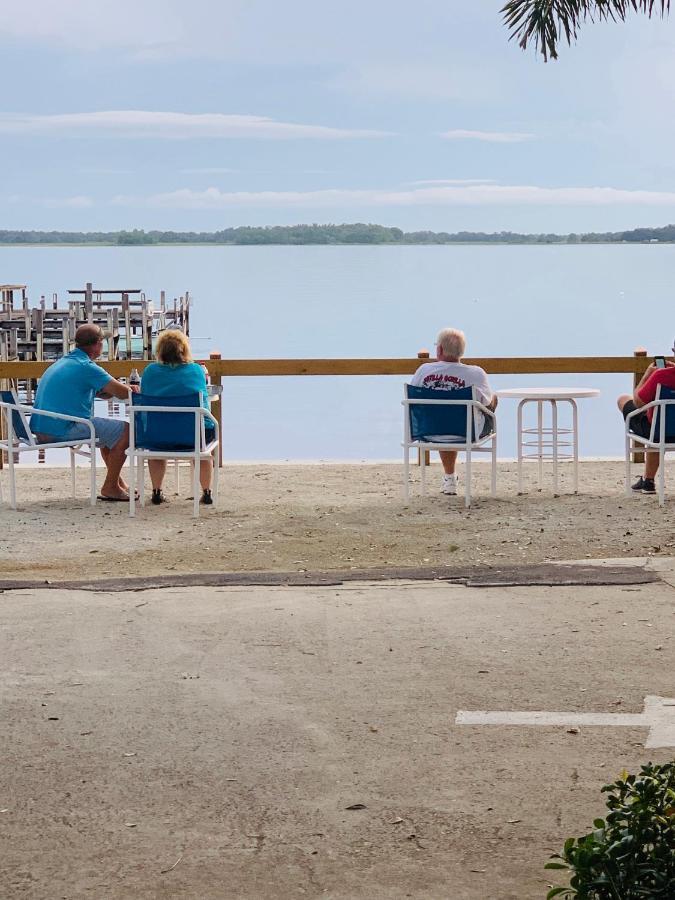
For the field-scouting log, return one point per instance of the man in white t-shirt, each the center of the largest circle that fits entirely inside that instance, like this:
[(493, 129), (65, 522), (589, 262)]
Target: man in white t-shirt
[(448, 373)]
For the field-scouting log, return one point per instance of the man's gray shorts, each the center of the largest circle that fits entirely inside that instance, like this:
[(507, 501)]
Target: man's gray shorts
[(108, 431)]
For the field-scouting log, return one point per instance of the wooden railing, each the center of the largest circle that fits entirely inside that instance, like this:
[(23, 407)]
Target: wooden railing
[(495, 365)]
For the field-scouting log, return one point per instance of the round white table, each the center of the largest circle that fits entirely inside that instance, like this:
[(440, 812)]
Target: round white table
[(547, 442)]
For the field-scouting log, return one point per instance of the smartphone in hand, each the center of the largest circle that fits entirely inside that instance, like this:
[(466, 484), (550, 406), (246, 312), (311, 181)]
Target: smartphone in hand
[(660, 362)]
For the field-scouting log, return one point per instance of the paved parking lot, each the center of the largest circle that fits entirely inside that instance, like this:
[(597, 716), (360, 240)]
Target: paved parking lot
[(274, 742)]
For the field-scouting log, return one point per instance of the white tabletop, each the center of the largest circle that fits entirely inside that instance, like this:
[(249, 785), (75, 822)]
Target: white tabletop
[(535, 393)]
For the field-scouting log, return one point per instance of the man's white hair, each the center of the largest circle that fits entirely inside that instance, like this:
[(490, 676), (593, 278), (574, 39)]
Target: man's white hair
[(452, 342)]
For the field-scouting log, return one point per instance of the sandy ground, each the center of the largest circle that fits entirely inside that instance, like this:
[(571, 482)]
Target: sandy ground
[(323, 517), (208, 743)]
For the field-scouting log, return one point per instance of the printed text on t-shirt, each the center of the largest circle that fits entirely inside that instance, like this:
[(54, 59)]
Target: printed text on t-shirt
[(437, 381)]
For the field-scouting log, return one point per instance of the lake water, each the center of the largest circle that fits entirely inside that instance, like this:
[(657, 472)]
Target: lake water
[(263, 302)]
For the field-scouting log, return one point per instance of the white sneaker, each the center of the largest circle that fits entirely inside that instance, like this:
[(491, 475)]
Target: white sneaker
[(449, 484)]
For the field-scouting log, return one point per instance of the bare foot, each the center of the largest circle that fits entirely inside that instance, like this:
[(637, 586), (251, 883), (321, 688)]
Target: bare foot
[(119, 496)]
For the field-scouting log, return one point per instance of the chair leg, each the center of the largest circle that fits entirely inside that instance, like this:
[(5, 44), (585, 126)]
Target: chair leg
[(423, 471), (406, 473), (662, 477), (493, 486), (195, 487), (467, 485), (92, 476), (141, 480), (72, 470), (216, 467), (132, 486), (628, 452), (12, 476)]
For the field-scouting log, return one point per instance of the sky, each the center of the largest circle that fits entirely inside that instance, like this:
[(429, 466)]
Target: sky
[(216, 113)]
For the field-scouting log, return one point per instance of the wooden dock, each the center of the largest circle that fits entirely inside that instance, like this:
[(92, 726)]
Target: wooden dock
[(45, 332)]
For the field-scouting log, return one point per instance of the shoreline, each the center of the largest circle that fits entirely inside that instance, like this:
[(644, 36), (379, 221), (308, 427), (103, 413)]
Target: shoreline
[(650, 243)]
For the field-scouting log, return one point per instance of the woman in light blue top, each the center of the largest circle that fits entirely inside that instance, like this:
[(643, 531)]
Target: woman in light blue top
[(174, 375)]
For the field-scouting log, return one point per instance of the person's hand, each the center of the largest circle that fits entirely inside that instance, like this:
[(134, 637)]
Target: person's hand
[(669, 364), (135, 388)]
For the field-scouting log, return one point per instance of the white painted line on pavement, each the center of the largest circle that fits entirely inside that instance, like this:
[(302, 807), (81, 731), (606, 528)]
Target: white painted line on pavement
[(658, 716)]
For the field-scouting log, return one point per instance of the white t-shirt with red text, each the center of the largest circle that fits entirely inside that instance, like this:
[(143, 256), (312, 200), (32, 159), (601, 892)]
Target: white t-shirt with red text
[(450, 376)]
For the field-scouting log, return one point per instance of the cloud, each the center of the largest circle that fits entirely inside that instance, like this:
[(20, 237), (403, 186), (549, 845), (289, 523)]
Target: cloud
[(91, 26), (468, 195), (79, 201), (104, 170), (133, 123), (209, 170), (295, 32), (452, 181), (417, 80), (491, 137)]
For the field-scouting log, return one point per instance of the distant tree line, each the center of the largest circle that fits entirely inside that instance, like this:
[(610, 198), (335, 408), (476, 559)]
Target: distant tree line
[(356, 233)]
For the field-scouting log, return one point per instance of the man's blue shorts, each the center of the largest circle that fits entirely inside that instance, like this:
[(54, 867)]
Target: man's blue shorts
[(108, 431)]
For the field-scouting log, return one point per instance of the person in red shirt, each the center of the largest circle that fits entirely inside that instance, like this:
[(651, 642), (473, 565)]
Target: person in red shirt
[(641, 424)]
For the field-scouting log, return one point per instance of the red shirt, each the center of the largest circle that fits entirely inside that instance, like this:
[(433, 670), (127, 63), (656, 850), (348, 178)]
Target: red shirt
[(647, 392)]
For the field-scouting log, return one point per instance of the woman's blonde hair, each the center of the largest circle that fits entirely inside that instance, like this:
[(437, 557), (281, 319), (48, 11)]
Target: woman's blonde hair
[(173, 348)]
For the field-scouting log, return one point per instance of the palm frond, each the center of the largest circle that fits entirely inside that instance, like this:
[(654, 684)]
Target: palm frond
[(547, 22)]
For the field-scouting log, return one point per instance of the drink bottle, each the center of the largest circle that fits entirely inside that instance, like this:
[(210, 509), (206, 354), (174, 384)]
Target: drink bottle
[(134, 378)]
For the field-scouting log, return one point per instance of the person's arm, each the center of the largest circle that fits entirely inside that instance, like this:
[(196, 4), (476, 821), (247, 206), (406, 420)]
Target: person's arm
[(115, 388), (645, 392), (490, 399)]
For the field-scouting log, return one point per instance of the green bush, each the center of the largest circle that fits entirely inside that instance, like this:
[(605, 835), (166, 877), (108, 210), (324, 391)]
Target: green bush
[(630, 855)]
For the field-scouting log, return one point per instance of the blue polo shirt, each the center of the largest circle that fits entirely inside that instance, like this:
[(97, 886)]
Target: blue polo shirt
[(68, 386)]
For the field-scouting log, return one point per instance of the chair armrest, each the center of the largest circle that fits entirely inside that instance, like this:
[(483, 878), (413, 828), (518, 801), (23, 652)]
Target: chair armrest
[(653, 404), (638, 411), (52, 415), (29, 410)]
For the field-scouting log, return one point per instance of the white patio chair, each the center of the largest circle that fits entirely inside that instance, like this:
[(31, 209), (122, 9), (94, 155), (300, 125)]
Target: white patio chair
[(18, 438), (445, 420), (661, 438), (169, 428)]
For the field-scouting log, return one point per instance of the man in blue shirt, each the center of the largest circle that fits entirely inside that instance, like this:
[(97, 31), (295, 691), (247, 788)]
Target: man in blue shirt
[(69, 387)]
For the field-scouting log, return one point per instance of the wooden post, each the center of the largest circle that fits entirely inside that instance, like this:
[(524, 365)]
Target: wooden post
[(127, 325), (638, 353), (146, 330), (217, 407), (89, 303), (423, 354)]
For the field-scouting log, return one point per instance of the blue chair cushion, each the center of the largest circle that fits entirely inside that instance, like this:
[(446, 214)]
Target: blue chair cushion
[(427, 423), (17, 422), (165, 431), (666, 393)]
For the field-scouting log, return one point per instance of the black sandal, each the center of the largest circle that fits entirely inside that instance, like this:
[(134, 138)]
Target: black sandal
[(207, 499), (157, 496)]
